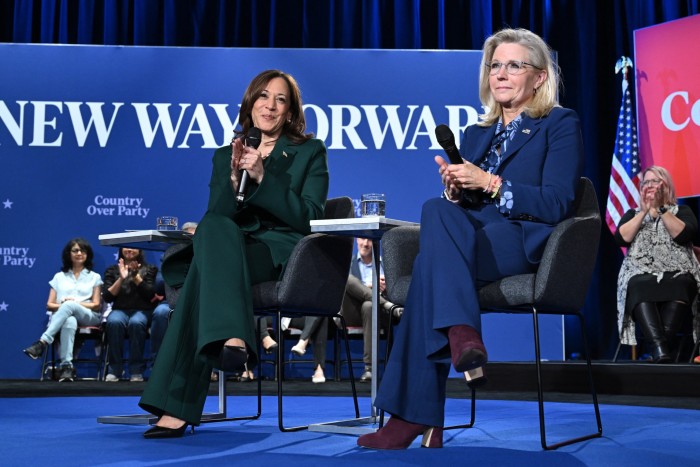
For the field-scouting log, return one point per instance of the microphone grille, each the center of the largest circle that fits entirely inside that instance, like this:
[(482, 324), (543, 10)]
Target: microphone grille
[(444, 134), (253, 137)]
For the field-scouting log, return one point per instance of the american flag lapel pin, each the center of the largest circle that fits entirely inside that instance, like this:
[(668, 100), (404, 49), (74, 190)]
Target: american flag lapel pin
[(526, 131)]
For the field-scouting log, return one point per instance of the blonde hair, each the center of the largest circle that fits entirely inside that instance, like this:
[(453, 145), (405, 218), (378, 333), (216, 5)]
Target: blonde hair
[(544, 98), (668, 195)]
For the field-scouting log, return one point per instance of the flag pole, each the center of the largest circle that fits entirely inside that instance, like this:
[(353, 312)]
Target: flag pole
[(625, 172)]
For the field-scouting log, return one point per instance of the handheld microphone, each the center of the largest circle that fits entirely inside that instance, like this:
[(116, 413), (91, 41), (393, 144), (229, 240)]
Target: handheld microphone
[(252, 140), (446, 139)]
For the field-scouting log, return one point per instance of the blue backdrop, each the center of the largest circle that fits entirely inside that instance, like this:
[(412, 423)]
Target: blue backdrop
[(99, 140)]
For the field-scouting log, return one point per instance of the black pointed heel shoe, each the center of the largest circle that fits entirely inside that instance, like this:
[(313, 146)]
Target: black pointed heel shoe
[(232, 359), (271, 349), (158, 432)]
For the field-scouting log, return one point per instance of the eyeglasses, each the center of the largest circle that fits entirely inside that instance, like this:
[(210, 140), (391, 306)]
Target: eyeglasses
[(514, 67), (650, 182), (77, 250)]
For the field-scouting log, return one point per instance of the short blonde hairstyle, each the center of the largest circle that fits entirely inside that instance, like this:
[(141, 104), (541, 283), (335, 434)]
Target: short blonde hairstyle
[(540, 55), (669, 195)]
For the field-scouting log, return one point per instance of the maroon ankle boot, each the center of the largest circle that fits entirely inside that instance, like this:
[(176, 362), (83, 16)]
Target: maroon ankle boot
[(399, 434), (467, 348)]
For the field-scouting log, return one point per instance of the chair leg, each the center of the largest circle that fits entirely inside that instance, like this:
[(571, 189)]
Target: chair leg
[(221, 415), (540, 392), (53, 362), (472, 411), (350, 372), (617, 352), (280, 378), (280, 391)]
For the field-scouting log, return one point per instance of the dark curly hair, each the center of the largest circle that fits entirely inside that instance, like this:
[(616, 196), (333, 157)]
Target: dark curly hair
[(83, 245)]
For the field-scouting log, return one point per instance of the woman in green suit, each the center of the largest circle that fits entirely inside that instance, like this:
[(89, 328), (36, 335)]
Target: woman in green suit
[(236, 245)]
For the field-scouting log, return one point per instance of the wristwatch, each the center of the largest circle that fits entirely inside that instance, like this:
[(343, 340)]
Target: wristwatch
[(662, 210)]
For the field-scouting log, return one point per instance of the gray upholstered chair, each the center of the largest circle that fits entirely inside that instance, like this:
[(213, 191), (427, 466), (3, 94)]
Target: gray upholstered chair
[(313, 284), (558, 287)]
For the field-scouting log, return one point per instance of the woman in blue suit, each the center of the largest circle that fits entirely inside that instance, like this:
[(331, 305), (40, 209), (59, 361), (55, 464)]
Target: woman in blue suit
[(522, 162)]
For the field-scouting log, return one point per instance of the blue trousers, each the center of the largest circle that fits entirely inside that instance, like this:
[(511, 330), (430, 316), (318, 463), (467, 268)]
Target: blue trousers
[(133, 323), (459, 249), (159, 324), (66, 320)]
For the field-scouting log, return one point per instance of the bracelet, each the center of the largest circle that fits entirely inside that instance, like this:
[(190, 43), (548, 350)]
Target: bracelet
[(497, 182), (488, 185), (662, 210)]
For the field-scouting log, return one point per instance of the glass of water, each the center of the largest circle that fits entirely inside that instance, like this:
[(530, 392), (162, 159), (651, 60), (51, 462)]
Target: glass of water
[(166, 223), (373, 204)]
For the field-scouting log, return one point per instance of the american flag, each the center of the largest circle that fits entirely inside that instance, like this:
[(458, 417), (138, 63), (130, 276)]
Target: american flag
[(625, 173)]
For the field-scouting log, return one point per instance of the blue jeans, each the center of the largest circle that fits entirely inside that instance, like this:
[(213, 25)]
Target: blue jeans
[(123, 323), (159, 324), (66, 319)]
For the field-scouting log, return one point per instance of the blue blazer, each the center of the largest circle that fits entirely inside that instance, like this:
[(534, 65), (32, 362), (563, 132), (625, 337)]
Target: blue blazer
[(544, 162)]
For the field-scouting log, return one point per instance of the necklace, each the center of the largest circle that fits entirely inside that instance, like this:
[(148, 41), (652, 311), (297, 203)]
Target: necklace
[(268, 143)]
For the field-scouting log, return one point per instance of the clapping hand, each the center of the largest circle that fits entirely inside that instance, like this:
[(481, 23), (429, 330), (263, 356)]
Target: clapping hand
[(130, 269), (652, 197)]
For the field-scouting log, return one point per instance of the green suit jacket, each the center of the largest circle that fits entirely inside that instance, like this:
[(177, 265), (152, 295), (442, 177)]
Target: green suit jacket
[(276, 212)]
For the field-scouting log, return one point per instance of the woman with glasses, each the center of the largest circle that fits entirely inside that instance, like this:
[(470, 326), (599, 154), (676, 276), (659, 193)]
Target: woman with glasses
[(74, 300), (522, 163), (658, 281)]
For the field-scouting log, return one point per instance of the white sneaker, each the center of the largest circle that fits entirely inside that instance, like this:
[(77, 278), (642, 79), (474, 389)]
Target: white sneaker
[(110, 378), (136, 378)]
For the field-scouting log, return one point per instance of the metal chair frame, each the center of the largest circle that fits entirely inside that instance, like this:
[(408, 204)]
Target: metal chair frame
[(545, 297)]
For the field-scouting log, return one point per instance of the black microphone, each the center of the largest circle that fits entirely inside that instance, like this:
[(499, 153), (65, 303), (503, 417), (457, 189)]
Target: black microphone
[(251, 140), (447, 140)]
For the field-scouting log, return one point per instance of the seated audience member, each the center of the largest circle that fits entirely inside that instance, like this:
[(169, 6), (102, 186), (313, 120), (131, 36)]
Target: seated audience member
[(314, 328), (357, 303), (161, 313), (129, 287), (659, 278), (74, 300)]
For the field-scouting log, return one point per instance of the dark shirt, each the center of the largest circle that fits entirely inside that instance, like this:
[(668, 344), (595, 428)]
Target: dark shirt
[(684, 213), (131, 296)]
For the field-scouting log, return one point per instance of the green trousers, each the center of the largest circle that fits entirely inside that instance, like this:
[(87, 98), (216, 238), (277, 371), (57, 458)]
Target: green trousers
[(215, 304)]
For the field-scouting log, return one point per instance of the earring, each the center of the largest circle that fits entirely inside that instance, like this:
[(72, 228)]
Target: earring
[(534, 92)]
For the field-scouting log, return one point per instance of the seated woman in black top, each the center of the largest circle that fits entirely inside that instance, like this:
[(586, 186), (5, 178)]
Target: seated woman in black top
[(129, 286)]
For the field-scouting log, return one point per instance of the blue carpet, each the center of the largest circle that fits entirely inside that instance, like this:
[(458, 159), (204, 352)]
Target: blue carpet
[(64, 431)]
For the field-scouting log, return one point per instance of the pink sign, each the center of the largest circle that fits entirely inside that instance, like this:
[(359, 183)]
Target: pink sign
[(667, 71)]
